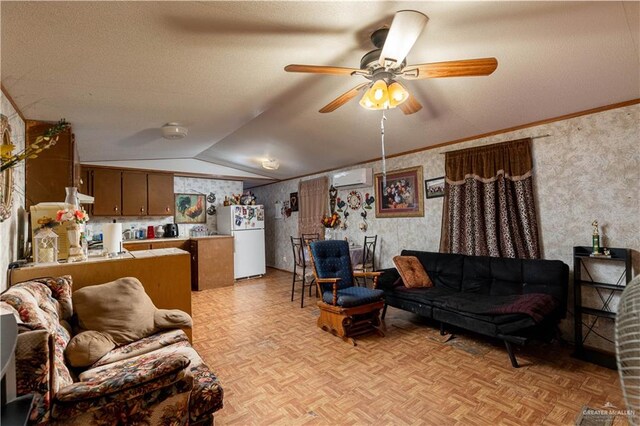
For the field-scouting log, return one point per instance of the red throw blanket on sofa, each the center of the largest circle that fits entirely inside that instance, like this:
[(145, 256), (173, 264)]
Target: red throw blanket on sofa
[(537, 305)]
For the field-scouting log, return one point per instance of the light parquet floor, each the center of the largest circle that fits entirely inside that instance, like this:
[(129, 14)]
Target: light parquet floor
[(278, 367)]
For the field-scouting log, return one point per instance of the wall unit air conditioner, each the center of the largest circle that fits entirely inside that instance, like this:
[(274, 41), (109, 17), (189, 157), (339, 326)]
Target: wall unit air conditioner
[(356, 178)]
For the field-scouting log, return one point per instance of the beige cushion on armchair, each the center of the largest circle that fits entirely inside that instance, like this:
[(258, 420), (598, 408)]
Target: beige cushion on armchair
[(115, 314), (120, 308)]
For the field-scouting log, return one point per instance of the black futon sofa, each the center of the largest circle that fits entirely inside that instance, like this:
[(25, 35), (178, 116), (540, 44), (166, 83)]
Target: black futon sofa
[(511, 299)]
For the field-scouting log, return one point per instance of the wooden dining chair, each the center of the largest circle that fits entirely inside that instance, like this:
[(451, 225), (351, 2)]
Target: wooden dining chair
[(368, 263), (307, 238), (301, 268)]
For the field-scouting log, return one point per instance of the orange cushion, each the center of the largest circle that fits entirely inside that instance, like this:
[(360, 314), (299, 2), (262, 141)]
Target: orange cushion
[(412, 272)]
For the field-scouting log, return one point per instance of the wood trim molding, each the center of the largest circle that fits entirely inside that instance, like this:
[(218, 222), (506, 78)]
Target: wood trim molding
[(219, 177), (12, 102), (278, 269), (128, 169), (470, 138), (177, 174)]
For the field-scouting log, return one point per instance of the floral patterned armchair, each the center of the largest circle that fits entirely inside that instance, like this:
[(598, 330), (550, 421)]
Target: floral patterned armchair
[(158, 380)]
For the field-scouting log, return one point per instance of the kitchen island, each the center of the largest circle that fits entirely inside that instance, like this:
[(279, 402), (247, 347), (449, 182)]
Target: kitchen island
[(164, 273), (211, 257)]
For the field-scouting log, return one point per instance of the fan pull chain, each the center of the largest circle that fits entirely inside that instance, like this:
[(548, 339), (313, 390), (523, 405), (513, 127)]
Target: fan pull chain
[(384, 162)]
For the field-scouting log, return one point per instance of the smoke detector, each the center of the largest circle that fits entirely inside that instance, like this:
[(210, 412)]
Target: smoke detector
[(173, 131), (270, 164)]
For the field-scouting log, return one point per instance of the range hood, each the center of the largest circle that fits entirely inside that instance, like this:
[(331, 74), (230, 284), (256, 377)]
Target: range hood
[(85, 199)]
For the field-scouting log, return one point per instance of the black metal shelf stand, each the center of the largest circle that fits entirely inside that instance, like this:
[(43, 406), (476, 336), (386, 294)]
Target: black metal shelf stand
[(581, 258)]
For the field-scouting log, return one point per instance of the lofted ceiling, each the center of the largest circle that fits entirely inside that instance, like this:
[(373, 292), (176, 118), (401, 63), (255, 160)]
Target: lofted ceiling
[(118, 71)]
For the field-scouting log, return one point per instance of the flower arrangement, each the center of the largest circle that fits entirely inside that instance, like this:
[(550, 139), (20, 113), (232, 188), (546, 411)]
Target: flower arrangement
[(72, 215), (50, 137), (330, 221)]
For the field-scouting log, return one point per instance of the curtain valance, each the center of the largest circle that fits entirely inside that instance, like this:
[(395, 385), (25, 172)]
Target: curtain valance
[(485, 163)]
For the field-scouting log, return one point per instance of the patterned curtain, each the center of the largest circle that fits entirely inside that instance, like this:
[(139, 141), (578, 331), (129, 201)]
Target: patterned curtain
[(489, 206), (313, 196)]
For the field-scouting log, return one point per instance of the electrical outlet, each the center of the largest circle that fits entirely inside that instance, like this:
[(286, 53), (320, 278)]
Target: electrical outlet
[(284, 258)]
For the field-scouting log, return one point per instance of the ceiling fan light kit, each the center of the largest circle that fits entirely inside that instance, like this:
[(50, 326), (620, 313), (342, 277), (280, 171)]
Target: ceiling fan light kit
[(384, 96), (387, 62), (174, 131)]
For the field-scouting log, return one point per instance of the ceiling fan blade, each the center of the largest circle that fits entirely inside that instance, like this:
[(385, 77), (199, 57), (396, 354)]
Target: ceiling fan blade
[(320, 69), (410, 106), (343, 99), (403, 33), (462, 68)]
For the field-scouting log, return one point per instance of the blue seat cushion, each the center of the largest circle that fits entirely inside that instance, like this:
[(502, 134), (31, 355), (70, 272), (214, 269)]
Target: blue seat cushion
[(353, 296)]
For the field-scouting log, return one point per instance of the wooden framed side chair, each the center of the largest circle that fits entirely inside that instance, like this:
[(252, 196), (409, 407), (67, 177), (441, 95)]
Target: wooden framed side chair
[(307, 238), (346, 310), (301, 268), (368, 257)]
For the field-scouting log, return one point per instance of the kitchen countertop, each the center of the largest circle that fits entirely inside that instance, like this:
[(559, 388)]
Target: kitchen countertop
[(121, 256), (151, 240)]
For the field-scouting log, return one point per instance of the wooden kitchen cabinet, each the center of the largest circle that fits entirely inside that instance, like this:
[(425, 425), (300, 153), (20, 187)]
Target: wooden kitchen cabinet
[(126, 192), (85, 186), (160, 194), (181, 244), (211, 262), (165, 276), (136, 246), (107, 191), (134, 193), (47, 175), (133, 245)]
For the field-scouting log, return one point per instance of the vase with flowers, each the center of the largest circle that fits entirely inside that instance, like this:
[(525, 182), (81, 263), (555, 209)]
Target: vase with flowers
[(74, 219)]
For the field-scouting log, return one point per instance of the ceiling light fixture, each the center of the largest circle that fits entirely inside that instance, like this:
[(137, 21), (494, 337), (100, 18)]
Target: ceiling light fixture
[(174, 131), (383, 95), (270, 164)]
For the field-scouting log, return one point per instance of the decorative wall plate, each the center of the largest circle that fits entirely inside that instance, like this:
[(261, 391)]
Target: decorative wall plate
[(354, 200)]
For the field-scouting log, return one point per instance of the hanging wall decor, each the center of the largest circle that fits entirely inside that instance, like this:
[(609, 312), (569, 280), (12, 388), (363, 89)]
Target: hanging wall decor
[(401, 194), (333, 194), (354, 200), (6, 176), (434, 188), (190, 208), (293, 201)]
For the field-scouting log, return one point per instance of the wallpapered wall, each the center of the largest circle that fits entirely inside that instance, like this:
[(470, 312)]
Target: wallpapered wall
[(9, 228), (588, 168), (186, 185)]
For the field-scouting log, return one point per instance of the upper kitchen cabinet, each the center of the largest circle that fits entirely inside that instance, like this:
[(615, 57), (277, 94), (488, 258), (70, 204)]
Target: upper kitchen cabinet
[(160, 194), (134, 193), (127, 192), (107, 192), (54, 169)]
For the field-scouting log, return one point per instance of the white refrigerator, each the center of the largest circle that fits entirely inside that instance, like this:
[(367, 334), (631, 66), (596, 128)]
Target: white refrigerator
[(246, 225)]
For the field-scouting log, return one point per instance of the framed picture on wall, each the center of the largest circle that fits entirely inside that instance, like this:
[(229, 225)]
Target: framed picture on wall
[(293, 201), (190, 208), (434, 188), (401, 195)]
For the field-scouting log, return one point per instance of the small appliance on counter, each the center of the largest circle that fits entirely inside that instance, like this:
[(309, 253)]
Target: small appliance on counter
[(159, 232), (170, 230), (151, 232), (199, 231)]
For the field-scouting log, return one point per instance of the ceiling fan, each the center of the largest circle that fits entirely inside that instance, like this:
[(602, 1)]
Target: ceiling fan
[(383, 65)]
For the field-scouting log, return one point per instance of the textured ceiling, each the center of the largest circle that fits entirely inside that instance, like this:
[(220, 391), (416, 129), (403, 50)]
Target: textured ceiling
[(120, 70)]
